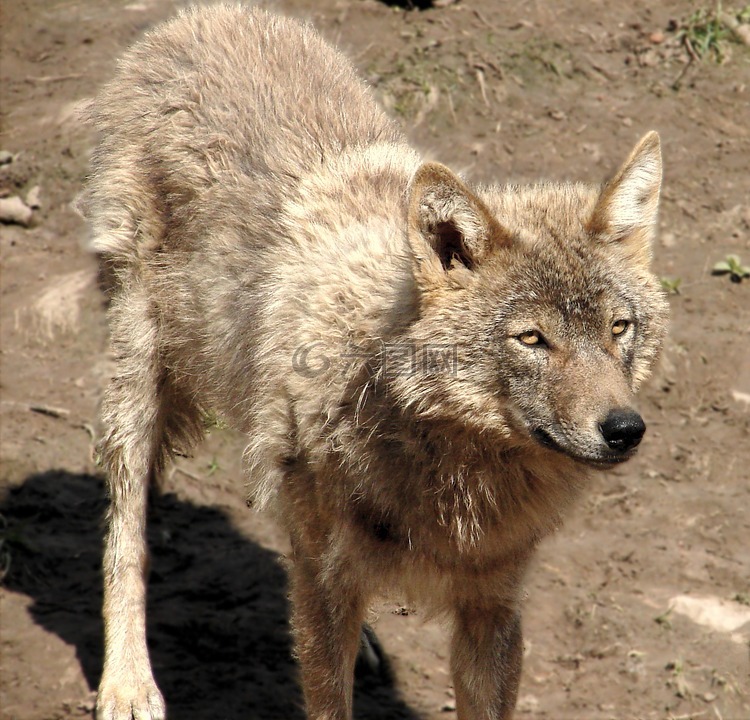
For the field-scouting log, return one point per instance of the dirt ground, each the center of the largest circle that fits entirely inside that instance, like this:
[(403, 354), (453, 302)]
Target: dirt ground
[(638, 608)]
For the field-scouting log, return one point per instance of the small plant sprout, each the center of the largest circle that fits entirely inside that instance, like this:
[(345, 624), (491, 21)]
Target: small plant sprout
[(671, 285), (663, 619), (733, 267), (213, 421)]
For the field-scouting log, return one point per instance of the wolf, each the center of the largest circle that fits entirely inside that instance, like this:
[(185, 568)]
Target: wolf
[(426, 370)]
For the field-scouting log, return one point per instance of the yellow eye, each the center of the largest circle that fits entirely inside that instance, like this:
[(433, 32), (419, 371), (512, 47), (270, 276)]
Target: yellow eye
[(620, 326), (531, 337)]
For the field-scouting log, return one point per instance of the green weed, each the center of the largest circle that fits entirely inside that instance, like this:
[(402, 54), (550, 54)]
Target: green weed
[(733, 267), (212, 421), (663, 619), (704, 34), (671, 285)]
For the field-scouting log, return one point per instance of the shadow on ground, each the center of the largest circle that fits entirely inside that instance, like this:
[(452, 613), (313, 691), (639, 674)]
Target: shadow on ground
[(217, 615)]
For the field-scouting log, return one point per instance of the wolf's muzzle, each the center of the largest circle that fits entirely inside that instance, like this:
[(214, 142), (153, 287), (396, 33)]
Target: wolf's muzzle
[(622, 429)]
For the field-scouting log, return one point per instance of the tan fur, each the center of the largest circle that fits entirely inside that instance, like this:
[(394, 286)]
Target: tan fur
[(281, 256)]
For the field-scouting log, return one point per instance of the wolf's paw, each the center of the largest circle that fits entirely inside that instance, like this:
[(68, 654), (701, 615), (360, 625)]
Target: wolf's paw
[(130, 701)]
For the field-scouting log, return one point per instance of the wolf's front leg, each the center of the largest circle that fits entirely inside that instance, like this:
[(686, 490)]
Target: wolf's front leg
[(328, 611), (127, 689), (131, 451), (486, 655)]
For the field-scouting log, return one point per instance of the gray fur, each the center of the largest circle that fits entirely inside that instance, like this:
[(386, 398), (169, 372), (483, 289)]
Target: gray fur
[(281, 256)]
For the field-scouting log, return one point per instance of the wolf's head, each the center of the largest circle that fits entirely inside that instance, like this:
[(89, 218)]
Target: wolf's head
[(546, 295)]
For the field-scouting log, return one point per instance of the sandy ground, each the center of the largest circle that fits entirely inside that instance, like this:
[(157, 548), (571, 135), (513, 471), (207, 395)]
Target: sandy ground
[(638, 608)]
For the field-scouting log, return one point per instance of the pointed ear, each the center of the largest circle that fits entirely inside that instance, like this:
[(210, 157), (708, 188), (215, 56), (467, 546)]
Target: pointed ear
[(447, 223), (628, 205)]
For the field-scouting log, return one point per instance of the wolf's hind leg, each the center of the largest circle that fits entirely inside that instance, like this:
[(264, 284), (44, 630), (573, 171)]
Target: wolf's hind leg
[(371, 659), (139, 415)]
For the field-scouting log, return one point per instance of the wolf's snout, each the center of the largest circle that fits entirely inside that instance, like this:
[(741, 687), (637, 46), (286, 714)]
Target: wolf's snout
[(622, 429)]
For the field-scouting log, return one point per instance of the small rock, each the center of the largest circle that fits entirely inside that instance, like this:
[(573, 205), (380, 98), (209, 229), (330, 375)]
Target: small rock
[(594, 150), (742, 32), (448, 707), (648, 59), (32, 198), (708, 697), (14, 210), (557, 115), (657, 38), (668, 239), (713, 612), (527, 704), (5, 157)]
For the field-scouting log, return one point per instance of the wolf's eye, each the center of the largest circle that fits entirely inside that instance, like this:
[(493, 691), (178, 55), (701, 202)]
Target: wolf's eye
[(532, 337), (620, 326)]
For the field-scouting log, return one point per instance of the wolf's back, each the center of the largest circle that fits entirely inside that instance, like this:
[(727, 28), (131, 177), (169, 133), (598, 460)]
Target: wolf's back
[(221, 99)]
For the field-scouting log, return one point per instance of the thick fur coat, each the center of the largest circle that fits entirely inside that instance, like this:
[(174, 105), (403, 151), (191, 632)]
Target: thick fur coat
[(425, 371)]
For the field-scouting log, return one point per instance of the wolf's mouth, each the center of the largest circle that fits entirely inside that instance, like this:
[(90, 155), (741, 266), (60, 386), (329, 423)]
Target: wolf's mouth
[(546, 440)]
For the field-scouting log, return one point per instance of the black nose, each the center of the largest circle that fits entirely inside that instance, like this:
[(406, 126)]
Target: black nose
[(622, 429)]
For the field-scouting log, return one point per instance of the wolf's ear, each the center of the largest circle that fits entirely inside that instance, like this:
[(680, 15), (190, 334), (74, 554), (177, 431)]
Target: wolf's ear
[(448, 223), (628, 205)]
